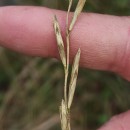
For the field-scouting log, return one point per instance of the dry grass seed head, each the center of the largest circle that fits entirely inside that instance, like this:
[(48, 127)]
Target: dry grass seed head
[(67, 19), (65, 106), (73, 79), (59, 41), (78, 10), (70, 4), (63, 115)]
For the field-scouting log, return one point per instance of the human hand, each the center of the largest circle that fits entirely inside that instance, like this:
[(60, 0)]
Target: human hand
[(103, 39)]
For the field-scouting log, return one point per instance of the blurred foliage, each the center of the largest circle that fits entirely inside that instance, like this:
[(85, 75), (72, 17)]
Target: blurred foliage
[(31, 88)]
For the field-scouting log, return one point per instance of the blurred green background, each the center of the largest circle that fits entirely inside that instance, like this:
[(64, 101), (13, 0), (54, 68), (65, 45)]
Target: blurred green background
[(31, 88)]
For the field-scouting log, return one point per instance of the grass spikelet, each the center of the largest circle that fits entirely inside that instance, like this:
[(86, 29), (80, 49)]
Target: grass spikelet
[(68, 98), (70, 4), (73, 80), (78, 10), (63, 115), (59, 41)]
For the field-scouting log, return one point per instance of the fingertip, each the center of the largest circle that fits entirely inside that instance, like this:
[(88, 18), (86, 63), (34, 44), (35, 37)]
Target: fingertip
[(119, 122), (28, 30)]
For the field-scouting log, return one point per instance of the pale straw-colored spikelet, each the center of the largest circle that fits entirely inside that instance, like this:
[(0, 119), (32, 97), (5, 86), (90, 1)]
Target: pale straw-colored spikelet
[(68, 98), (73, 79), (78, 10), (70, 4), (59, 41), (63, 115)]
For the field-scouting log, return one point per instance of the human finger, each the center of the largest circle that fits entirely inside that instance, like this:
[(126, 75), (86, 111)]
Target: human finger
[(119, 122), (104, 40)]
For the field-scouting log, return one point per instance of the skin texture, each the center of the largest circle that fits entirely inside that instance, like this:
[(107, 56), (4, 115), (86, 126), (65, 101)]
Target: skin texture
[(119, 122), (104, 41)]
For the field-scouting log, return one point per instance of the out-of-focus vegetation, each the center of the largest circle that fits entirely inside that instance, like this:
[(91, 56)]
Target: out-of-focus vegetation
[(31, 88)]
